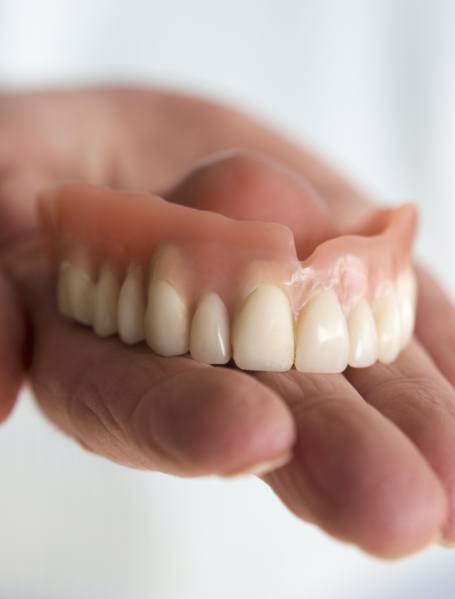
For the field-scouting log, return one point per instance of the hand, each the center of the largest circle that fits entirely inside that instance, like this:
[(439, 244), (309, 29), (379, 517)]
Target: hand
[(372, 450)]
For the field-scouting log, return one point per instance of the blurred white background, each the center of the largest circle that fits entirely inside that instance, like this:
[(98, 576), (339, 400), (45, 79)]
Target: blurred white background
[(370, 85)]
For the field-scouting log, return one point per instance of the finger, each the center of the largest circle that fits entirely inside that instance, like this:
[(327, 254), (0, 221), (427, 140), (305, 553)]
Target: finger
[(415, 396), (353, 473), (168, 414), (435, 326), (12, 342)]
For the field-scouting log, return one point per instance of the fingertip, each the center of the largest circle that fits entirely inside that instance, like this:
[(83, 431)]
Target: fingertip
[(397, 516), (413, 524), (214, 421)]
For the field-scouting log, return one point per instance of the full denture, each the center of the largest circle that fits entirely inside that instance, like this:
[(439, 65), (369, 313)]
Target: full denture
[(185, 279)]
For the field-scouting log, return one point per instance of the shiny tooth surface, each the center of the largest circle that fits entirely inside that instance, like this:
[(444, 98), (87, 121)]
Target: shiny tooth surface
[(322, 340), (209, 338), (407, 300), (80, 294), (131, 307), (63, 292), (167, 322), (363, 338), (105, 302), (262, 333), (388, 325)]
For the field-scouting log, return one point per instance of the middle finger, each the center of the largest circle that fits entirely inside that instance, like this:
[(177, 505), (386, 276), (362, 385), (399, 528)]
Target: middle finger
[(353, 472), (414, 395)]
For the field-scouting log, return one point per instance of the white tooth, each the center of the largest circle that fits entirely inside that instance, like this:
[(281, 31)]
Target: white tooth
[(362, 336), (63, 292), (80, 294), (262, 335), (322, 340), (131, 307), (209, 339), (407, 299), (105, 303), (166, 320), (387, 317)]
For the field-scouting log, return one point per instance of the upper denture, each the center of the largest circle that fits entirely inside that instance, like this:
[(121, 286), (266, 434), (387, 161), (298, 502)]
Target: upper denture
[(164, 262)]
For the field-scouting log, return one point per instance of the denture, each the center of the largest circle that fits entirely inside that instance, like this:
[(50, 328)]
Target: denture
[(186, 280)]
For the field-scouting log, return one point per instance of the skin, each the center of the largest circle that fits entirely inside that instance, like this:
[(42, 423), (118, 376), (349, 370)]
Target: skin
[(371, 450)]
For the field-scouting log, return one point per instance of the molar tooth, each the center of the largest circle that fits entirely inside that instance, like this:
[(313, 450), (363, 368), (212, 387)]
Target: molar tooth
[(407, 300), (322, 340), (105, 302), (262, 335), (387, 317), (80, 289), (209, 339), (63, 292), (362, 335), (166, 320), (131, 307)]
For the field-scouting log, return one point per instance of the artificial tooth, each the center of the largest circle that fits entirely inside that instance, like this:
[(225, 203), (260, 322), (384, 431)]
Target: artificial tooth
[(131, 307), (363, 337), (105, 303), (322, 340), (209, 339), (80, 293), (166, 320), (407, 300), (387, 317), (262, 335)]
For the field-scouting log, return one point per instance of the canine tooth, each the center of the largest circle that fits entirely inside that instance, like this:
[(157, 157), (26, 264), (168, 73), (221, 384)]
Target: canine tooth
[(322, 340), (166, 320), (105, 302), (407, 299), (209, 339), (63, 295), (363, 337), (80, 294), (387, 317), (262, 335), (131, 307)]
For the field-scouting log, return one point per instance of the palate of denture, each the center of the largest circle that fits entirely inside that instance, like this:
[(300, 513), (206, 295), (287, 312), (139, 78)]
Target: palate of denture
[(189, 280)]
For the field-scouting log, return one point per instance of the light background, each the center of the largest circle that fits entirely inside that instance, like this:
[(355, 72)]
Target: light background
[(370, 85)]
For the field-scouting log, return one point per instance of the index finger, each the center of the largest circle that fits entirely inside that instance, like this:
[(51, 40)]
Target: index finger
[(124, 403)]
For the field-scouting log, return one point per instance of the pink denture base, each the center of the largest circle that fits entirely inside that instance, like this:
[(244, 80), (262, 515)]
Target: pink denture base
[(200, 251)]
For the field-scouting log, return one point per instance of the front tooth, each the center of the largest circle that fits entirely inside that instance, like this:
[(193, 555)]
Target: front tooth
[(209, 339), (262, 335), (363, 337), (131, 307), (105, 302), (63, 291), (322, 338), (166, 320), (387, 317), (407, 299), (80, 294)]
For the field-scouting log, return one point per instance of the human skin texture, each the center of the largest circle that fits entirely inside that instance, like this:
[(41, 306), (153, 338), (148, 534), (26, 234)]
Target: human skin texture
[(369, 454), (189, 279)]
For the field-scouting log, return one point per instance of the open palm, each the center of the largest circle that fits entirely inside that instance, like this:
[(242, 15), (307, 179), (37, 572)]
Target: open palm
[(371, 449)]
